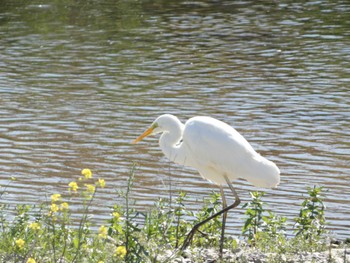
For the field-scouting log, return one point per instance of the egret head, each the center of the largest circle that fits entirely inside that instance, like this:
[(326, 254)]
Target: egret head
[(161, 124)]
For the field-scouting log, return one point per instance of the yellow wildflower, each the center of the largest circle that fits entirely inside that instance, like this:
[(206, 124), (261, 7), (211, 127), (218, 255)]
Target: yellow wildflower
[(120, 252), (54, 208), (55, 197), (116, 216), (20, 243), (87, 173), (31, 260), (102, 232), (73, 186), (90, 188), (100, 261), (34, 226), (101, 183), (64, 206)]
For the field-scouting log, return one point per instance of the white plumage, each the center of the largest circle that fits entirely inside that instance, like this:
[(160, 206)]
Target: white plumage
[(214, 148), (218, 152)]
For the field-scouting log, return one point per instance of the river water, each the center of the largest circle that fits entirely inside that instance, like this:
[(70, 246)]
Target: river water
[(79, 80)]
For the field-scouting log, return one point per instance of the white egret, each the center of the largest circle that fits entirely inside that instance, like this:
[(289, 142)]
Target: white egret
[(218, 152)]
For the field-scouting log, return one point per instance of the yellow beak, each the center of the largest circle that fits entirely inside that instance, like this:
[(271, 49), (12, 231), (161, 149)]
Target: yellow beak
[(143, 135)]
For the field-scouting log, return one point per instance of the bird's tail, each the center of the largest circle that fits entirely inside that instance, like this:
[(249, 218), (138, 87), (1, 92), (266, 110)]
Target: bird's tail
[(263, 173)]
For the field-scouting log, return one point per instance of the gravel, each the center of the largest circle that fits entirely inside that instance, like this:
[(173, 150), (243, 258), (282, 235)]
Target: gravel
[(198, 255)]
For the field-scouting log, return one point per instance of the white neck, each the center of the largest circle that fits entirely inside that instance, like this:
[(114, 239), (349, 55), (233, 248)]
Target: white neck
[(169, 142)]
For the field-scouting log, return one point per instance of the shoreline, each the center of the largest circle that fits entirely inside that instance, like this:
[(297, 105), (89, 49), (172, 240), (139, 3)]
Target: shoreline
[(252, 255)]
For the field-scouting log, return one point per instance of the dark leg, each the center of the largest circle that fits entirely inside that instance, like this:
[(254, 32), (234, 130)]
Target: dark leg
[(195, 228), (224, 216)]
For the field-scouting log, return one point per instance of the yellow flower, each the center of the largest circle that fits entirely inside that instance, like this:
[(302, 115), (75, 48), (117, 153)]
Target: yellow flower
[(116, 216), (54, 208), (100, 261), (90, 188), (101, 183), (64, 206), (73, 186), (55, 197), (120, 252), (31, 260), (102, 232), (34, 226), (20, 243), (87, 173)]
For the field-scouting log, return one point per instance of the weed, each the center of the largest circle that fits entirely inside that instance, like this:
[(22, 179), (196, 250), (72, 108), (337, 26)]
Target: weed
[(48, 233), (311, 220), (210, 232), (254, 221), (267, 231)]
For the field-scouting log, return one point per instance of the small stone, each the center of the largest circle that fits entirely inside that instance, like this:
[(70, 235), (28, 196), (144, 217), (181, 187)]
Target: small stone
[(237, 250), (283, 258), (186, 253)]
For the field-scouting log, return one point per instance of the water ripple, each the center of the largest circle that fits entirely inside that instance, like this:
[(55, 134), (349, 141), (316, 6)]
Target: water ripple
[(76, 95)]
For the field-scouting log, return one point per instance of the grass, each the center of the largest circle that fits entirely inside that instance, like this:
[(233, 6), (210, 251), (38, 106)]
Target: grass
[(48, 233)]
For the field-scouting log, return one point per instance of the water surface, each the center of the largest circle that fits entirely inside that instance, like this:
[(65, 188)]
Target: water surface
[(80, 80)]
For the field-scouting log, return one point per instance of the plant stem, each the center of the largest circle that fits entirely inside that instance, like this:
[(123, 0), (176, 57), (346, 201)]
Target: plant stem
[(127, 208), (81, 224)]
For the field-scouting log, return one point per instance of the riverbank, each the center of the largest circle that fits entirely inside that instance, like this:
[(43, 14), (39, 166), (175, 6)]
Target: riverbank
[(52, 231), (251, 255)]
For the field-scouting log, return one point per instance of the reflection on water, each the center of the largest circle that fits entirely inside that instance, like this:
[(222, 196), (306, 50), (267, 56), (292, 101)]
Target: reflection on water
[(79, 81)]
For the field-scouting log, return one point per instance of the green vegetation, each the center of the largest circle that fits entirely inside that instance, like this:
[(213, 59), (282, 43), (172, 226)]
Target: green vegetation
[(48, 233), (267, 231)]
